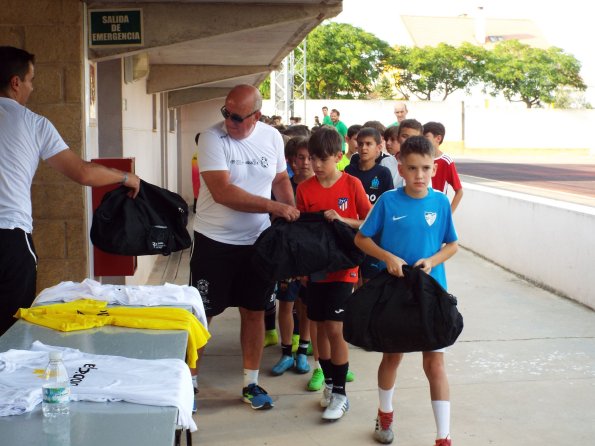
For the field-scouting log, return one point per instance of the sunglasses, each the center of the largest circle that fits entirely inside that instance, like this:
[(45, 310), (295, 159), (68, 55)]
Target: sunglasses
[(234, 116)]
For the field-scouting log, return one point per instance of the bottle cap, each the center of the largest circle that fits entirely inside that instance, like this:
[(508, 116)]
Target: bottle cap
[(55, 355)]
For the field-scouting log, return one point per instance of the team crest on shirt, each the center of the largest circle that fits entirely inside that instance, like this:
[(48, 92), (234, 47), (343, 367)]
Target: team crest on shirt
[(264, 162), (343, 203), (430, 218), (375, 184)]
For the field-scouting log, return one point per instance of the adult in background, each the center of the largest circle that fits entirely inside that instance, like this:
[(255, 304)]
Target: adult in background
[(326, 119), (25, 137), (339, 127), (241, 161), (400, 111)]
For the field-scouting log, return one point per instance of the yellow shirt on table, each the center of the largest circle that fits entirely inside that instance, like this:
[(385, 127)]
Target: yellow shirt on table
[(87, 313)]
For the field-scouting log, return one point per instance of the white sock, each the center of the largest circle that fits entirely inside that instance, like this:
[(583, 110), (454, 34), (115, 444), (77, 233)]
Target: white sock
[(195, 381), (250, 377), (316, 365), (442, 416), (386, 399)]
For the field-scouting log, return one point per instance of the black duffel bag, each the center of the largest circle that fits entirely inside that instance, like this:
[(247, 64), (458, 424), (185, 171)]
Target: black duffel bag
[(402, 314), (309, 245), (152, 223)]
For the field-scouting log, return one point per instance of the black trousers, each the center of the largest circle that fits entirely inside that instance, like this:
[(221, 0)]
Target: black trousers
[(18, 274)]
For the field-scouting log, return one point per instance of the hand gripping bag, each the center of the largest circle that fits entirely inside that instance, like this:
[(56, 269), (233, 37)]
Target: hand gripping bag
[(402, 314)]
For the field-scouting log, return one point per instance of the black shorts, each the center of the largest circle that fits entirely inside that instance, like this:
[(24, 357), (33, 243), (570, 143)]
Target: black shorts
[(18, 274), (224, 276), (326, 300)]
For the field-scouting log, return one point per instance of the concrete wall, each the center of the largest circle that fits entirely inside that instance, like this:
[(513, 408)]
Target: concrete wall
[(143, 142), (546, 241), (194, 118)]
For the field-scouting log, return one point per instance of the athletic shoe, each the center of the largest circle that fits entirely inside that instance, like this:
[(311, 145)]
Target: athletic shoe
[(271, 338), (284, 364), (327, 394), (338, 406), (317, 380), (350, 377), (295, 342), (443, 442), (383, 433), (258, 398), (301, 364), (310, 350)]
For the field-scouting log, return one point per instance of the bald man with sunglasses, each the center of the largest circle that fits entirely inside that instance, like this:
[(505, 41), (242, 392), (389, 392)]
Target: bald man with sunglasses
[(241, 161)]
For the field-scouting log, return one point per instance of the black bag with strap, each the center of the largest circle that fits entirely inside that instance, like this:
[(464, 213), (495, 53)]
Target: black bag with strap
[(152, 223), (309, 245), (402, 314)]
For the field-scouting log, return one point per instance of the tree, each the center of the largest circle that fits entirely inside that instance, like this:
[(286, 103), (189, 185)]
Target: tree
[(570, 98), (530, 75), (441, 70), (382, 90), (265, 88), (343, 61)]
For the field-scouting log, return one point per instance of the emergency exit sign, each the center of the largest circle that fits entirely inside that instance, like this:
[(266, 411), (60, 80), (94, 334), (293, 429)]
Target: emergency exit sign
[(115, 27)]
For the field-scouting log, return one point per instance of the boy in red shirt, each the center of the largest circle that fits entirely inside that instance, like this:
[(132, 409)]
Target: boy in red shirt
[(446, 172), (341, 197)]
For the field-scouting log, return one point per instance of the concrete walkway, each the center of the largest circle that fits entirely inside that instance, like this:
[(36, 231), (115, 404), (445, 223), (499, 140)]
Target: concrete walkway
[(522, 374)]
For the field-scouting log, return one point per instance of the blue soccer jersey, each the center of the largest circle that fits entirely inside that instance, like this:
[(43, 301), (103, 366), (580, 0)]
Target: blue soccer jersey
[(412, 228)]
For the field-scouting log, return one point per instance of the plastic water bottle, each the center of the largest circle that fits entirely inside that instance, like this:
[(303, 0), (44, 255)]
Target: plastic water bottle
[(56, 390)]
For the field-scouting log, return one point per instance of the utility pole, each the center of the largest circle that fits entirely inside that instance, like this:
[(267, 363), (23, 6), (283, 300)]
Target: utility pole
[(289, 83)]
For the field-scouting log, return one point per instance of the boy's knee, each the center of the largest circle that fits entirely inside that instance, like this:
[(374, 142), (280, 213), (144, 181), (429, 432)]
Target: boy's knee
[(249, 316), (434, 365)]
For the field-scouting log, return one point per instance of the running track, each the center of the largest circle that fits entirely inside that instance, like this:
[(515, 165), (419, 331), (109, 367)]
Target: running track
[(575, 179)]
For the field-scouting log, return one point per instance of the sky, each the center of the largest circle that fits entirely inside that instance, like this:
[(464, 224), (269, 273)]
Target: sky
[(566, 25)]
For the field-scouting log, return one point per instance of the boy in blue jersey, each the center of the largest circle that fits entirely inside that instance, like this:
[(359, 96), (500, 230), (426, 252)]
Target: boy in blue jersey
[(413, 225)]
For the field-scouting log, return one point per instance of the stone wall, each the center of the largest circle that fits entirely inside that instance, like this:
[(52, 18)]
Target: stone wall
[(53, 31)]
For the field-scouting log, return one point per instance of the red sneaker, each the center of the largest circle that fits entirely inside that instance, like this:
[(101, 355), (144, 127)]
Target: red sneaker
[(383, 432), (443, 442)]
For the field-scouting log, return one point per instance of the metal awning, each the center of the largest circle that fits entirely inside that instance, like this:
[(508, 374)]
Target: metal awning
[(197, 50)]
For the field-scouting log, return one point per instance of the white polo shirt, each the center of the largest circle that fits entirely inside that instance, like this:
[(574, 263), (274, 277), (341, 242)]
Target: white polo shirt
[(253, 163)]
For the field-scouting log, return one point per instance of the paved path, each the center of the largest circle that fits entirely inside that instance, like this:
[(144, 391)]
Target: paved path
[(521, 374)]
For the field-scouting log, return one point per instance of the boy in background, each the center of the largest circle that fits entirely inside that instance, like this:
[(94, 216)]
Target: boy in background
[(414, 227), (384, 158), (341, 197), (446, 171), (375, 178), (408, 128), (391, 140), (351, 141), (290, 292)]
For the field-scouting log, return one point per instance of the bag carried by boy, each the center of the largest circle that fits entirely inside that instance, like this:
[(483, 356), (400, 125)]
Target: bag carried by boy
[(392, 314), (307, 246), (152, 223)]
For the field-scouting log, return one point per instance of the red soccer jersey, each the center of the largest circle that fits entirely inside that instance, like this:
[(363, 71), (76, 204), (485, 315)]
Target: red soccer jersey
[(347, 196), (446, 173)]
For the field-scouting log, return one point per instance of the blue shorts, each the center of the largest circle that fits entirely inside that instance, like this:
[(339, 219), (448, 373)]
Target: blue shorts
[(288, 291)]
